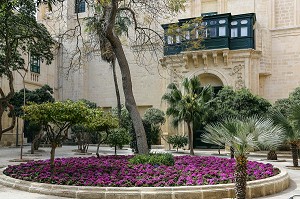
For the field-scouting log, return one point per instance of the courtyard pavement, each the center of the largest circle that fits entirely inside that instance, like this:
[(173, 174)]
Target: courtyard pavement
[(7, 154)]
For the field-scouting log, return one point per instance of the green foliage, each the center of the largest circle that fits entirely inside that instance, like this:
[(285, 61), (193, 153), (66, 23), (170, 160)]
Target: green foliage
[(177, 141), (153, 159), (38, 96), (16, 38), (188, 106), (154, 116), (230, 103), (284, 105), (60, 114), (125, 118), (244, 134), (118, 138), (152, 121)]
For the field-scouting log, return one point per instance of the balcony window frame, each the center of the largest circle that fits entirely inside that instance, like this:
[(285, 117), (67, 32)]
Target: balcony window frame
[(216, 27), (239, 27)]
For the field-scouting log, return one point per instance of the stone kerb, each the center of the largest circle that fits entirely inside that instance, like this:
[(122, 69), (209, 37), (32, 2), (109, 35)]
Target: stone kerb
[(255, 189)]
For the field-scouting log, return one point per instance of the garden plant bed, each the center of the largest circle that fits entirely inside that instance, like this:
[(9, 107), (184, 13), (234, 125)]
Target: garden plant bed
[(112, 176)]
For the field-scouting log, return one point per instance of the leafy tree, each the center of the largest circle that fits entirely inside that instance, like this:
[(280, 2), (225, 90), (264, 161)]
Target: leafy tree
[(243, 135), (118, 138), (230, 103), (15, 39), (57, 118), (152, 120), (291, 128), (283, 105), (38, 96), (81, 133), (188, 106), (108, 12), (178, 141), (100, 123)]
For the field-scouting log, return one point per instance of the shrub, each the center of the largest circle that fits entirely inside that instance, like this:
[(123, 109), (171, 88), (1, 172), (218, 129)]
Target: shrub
[(153, 159), (178, 141)]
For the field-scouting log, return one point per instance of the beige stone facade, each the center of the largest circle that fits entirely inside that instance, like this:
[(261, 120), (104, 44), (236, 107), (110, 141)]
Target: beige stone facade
[(271, 69)]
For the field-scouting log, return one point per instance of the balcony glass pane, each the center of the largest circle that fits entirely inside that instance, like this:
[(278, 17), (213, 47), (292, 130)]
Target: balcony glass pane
[(222, 21), (212, 22), (177, 39), (244, 31), (213, 32), (244, 21), (233, 23), (222, 31), (234, 32), (170, 40), (187, 35)]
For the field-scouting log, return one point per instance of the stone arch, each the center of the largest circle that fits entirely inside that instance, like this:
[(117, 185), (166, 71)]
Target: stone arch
[(210, 76)]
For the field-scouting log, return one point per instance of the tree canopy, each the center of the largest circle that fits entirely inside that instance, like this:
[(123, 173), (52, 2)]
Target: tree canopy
[(38, 96), (20, 34)]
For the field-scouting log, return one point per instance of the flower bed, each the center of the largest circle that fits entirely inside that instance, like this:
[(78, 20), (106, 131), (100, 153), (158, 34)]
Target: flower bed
[(115, 171)]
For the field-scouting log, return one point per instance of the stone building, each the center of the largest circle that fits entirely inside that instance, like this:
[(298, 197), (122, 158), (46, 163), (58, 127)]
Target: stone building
[(249, 43)]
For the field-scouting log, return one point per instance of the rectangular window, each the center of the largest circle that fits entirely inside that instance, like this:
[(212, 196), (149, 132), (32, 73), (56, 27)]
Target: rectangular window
[(234, 32), (213, 32), (222, 31), (170, 40), (187, 35), (79, 6), (34, 64), (177, 39), (244, 31)]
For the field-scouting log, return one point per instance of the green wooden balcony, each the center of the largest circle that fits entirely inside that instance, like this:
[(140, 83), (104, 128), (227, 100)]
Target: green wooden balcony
[(219, 31)]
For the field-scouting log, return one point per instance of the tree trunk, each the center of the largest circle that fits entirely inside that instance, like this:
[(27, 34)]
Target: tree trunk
[(126, 80), (4, 102), (241, 177), (231, 152), (191, 139), (35, 139), (272, 155), (115, 150), (294, 155), (52, 155), (97, 152), (119, 106)]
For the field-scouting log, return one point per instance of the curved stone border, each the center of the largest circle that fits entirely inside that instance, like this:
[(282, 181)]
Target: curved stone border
[(255, 189)]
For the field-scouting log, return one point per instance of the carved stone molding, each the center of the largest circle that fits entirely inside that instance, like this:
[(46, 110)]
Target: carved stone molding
[(185, 61), (215, 57), (237, 72), (204, 57), (225, 57), (195, 60)]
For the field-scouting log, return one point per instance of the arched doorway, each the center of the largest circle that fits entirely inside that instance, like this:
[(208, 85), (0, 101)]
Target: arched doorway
[(217, 84)]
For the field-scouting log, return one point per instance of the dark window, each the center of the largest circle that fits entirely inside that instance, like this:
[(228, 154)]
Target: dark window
[(35, 64), (79, 6)]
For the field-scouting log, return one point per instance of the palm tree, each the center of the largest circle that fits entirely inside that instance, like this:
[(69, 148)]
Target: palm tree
[(95, 25), (291, 127), (243, 135), (189, 105)]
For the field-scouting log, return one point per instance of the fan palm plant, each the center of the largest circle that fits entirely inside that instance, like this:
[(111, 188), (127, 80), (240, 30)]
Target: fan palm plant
[(189, 105), (291, 127), (243, 135)]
